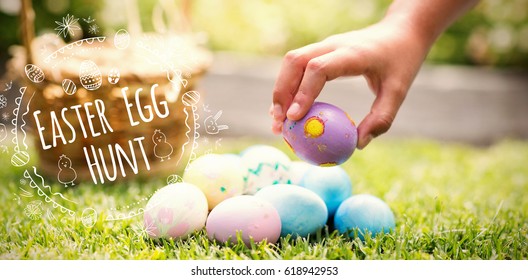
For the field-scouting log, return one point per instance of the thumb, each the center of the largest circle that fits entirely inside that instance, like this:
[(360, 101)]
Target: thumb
[(381, 115)]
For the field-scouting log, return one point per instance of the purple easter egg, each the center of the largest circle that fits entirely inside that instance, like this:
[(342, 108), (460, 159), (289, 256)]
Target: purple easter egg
[(325, 136)]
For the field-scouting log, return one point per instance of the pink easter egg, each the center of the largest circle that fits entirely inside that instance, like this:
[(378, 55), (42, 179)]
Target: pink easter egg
[(253, 217)]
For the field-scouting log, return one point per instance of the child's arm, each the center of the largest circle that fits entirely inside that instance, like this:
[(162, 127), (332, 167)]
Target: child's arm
[(388, 54)]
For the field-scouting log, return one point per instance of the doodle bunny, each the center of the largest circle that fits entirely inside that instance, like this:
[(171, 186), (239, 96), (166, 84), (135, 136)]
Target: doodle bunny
[(211, 125)]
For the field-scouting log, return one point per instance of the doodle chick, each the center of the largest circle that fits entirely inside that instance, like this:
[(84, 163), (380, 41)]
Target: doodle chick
[(67, 174), (162, 149)]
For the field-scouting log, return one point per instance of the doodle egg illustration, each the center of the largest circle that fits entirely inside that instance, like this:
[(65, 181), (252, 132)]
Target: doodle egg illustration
[(90, 75), (34, 73), (113, 76), (190, 98), (89, 217), (121, 39), (325, 136), (3, 132), (20, 158), (69, 86)]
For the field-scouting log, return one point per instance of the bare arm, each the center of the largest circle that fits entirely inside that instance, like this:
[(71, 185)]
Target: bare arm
[(388, 54)]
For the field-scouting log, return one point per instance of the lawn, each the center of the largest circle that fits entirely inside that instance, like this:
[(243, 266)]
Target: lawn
[(451, 201)]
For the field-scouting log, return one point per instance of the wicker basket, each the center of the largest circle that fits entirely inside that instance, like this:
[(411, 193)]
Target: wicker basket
[(141, 66)]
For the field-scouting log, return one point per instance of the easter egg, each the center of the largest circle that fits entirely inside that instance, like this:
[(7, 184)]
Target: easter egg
[(218, 176), (302, 212), (69, 86), (332, 184), (265, 165), (121, 39), (365, 213), (90, 75), (89, 217), (297, 171), (325, 136), (34, 73), (3, 132), (113, 76), (190, 98), (174, 178), (20, 158), (175, 211), (253, 217)]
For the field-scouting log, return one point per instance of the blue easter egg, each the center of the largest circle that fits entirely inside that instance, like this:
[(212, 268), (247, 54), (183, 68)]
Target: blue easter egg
[(332, 184), (366, 213), (302, 211)]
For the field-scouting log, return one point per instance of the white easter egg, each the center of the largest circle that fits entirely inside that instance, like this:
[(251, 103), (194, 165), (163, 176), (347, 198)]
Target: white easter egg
[(90, 75), (302, 211), (252, 217), (266, 165), (3, 132), (34, 73), (218, 176), (69, 86), (89, 217), (121, 39), (297, 171), (113, 76), (175, 211)]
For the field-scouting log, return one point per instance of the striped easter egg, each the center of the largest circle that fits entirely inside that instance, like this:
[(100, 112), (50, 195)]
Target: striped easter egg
[(20, 159), (190, 98), (69, 86)]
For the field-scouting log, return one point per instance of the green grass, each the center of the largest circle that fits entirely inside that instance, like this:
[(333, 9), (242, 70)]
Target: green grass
[(450, 201)]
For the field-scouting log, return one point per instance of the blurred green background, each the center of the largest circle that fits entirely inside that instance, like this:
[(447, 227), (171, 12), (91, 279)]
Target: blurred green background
[(495, 33)]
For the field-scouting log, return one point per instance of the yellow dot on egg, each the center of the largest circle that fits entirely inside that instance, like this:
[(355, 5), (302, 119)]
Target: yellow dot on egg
[(314, 127)]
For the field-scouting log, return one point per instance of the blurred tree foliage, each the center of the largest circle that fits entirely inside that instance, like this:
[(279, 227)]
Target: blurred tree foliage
[(495, 33), (47, 12)]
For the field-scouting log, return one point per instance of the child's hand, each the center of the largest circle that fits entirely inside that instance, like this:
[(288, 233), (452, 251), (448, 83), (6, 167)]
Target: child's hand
[(388, 54)]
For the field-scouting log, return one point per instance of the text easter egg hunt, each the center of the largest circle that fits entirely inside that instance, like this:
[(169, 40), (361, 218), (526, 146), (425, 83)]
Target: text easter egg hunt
[(91, 117), (99, 112)]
